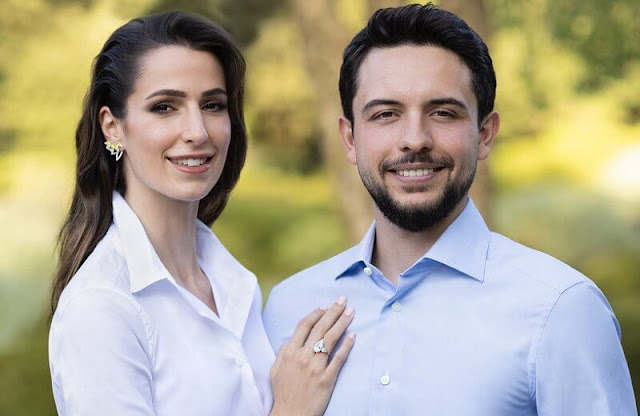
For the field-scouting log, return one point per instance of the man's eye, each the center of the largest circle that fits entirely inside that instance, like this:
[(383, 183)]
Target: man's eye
[(385, 115), (444, 114)]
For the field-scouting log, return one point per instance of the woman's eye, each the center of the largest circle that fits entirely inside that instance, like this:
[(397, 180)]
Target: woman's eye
[(161, 108), (214, 106)]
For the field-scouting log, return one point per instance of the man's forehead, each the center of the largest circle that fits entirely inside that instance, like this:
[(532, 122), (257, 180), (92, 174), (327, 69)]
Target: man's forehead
[(413, 69)]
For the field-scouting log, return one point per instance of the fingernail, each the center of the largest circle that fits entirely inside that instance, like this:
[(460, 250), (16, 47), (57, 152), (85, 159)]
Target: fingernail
[(341, 300), (324, 308), (351, 335), (348, 311)]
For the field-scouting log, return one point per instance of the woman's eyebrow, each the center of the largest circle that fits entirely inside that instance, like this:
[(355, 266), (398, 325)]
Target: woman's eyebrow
[(170, 93), (214, 91), (182, 94)]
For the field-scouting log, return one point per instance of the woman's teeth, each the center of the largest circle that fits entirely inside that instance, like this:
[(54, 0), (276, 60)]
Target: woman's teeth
[(189, 162)]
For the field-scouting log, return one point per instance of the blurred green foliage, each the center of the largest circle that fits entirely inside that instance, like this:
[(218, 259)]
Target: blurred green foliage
[(281, 107), (566, 166)]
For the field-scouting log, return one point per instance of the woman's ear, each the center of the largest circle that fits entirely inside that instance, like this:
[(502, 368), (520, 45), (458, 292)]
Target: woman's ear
[(109, 125)]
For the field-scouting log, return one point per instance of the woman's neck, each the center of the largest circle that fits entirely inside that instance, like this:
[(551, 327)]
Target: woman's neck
[(171, 228)]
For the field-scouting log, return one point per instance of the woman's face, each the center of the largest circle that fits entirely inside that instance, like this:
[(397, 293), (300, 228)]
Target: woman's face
[(176, 131)]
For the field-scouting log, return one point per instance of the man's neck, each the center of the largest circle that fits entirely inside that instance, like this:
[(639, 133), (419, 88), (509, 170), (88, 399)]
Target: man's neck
[(396, 249)]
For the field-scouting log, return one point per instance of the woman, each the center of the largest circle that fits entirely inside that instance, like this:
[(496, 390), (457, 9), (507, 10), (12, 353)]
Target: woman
[(152, 314)]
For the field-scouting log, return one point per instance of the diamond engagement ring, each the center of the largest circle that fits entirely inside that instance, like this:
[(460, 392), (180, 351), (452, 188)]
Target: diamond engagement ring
[(319, 347)]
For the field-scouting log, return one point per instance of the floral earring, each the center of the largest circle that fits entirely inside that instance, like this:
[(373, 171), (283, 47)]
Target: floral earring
[(114, 148)]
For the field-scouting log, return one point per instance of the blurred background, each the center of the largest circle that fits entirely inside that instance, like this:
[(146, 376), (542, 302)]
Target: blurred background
[(564, 176)]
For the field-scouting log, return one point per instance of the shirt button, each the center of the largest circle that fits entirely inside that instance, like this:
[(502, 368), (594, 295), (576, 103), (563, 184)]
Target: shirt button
[(385, 379), (396, 307), (367, 271), (239, 362)]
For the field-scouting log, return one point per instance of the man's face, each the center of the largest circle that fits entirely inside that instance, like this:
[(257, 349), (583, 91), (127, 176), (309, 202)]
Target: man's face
[(415, 137)]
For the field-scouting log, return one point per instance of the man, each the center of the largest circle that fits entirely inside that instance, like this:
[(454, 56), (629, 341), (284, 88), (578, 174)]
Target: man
[(451, 319)]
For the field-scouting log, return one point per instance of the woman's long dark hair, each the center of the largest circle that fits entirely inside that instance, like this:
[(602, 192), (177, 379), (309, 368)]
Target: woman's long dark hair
[(114, 74)]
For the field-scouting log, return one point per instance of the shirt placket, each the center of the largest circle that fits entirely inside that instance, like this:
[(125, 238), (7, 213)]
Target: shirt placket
[(388, 378), (385, 379), (240, 359)]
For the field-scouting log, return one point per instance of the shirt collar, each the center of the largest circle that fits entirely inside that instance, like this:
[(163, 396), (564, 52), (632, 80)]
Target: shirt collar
[(143, 263), (234, 285), (463, 246)]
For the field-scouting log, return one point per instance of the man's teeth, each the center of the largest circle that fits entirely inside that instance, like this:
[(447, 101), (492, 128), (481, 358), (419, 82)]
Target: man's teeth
[(190, 162), (415, 172)]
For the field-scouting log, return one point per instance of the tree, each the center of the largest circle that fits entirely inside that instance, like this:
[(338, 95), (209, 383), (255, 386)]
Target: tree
[(474, 12), (325, 37)]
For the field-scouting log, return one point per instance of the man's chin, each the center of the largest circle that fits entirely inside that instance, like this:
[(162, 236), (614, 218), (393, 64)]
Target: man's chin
[(416, 208), (416, 201), (419, 214)]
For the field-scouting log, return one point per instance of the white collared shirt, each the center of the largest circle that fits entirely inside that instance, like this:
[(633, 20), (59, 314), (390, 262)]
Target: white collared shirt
[(127, 340)]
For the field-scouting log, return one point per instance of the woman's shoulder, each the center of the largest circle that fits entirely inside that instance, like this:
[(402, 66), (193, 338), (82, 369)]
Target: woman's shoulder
[(103, 277), (94, 326), (97, 304)]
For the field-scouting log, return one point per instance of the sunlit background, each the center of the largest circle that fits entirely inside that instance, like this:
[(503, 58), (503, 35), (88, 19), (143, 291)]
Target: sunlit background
[(564, 176)]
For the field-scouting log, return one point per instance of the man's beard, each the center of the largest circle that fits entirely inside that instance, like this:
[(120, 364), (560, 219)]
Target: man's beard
[(418, 218)]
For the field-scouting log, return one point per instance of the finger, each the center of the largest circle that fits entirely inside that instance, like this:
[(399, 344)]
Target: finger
[(337, 330), (327, 321), (305, 325), (280, 355), (340, 356)]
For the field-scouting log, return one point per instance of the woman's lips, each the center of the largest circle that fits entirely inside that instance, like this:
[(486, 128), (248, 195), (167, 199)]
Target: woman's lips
[(191, 164)]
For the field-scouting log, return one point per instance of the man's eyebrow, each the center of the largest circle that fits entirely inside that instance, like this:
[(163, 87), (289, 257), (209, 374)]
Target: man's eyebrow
[(175, 93), (378, 101), (448, 101)]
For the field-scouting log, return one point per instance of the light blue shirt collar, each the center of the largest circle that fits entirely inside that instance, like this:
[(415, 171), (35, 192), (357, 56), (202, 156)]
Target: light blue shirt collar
[(467, 234)]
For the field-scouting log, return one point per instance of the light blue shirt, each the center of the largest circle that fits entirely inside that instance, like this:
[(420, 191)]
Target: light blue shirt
[(126, 339), (478, 326)]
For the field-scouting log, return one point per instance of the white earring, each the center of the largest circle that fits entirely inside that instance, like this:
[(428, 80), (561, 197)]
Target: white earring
[(114, 148)]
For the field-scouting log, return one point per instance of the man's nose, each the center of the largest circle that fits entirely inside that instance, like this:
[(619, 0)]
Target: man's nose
[(416, 136)]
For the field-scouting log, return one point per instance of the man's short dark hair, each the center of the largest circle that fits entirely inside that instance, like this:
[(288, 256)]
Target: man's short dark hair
[(425, 25)]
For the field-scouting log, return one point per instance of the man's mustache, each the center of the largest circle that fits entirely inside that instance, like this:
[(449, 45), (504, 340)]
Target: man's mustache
[(419, 157)]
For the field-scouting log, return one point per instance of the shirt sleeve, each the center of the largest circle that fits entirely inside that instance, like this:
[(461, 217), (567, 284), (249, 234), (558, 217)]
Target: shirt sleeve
[(100, 357), (580, 368)]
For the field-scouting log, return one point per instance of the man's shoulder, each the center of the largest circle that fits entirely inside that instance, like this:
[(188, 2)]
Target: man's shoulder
[(317, 275), (513, 258)]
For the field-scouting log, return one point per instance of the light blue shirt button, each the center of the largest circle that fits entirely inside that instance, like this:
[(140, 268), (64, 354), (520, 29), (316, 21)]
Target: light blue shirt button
[(367, 271), (239, 361), (396, 307), (385, 379)]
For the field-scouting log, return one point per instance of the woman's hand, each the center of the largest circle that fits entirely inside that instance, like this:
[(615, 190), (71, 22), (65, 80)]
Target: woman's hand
[(302, 379)]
